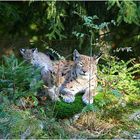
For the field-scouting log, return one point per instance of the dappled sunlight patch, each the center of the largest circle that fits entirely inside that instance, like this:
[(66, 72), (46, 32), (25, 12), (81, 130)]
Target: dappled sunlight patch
[(94, 124), (133, 100), (26, 102)]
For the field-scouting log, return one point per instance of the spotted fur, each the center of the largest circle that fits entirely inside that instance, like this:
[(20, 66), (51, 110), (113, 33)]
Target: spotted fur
[(69, 77), (82, 77), (66, 70)]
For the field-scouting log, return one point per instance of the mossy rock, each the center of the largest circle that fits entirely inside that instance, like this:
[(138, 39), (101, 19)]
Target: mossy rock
[(66, 110)]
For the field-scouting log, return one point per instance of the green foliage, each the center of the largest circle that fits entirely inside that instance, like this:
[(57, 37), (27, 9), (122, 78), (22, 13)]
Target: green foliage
[(128, 11), (18, 124), (118, 76), (66, 110), (91, 30), (48, 14), (55, 13), (29, 123), (18, 79), (91, 107), (54, 130), (53, 20), (9, 14), (54, 53), (116, 84), (134, 100), (101, 100)]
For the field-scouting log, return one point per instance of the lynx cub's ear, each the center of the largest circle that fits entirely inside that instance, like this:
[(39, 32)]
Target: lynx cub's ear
[(97, 57), (22, 51), (34, 50), (76, 56)]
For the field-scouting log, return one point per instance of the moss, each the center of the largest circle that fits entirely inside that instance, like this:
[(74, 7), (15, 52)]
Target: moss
[(66, 110)]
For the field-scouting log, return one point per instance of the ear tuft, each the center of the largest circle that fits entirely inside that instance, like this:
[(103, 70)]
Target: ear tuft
[(75, 51), (98, 57), (76, 55)]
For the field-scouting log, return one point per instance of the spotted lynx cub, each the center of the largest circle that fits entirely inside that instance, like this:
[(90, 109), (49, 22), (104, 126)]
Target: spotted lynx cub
[(42, 61), (79, 75), (82, 77)]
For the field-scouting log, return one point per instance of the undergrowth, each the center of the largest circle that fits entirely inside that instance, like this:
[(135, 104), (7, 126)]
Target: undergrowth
[(108, 117), (18, 81)]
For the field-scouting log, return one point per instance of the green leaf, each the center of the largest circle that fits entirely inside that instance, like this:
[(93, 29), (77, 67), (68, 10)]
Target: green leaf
[(99, 88), (90, 107), (116, 93), (35, 100)]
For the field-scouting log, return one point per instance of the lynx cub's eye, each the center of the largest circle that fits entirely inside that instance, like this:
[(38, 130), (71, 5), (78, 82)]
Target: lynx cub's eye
[(33, 50), (81, 64), (22, 51)]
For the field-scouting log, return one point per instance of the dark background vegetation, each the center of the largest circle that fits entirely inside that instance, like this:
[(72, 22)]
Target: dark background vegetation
[(41, 24)]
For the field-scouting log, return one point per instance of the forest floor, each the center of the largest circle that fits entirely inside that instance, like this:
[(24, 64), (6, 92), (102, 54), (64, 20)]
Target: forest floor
[(115, 123), (41, 122)]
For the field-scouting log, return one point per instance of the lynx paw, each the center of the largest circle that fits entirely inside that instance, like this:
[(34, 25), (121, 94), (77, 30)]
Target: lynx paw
[(68, 98), (53, 93), (87, 100)]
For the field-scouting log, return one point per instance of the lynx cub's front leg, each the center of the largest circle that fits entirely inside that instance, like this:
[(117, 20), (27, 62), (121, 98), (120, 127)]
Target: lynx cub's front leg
[(53, 93), (88, 96), (69, 98), (90, 91)]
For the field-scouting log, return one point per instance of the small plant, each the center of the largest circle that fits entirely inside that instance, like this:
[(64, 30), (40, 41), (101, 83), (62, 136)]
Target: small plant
[(116, 82), (20, 124), (91, 32), (118, 76), (18, 80), (30, 123)]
